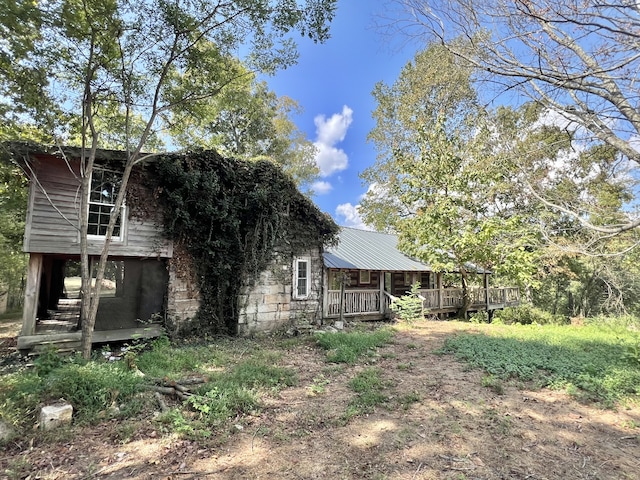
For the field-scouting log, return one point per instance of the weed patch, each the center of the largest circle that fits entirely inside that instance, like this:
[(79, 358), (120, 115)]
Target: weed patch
[(591, 362), (348, 347)]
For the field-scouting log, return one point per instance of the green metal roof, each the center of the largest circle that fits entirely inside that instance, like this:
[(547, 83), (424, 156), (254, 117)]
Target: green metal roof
[(367, 250)]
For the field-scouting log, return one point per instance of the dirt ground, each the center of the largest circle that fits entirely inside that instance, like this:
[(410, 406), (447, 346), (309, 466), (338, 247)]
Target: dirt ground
[(454, 428)]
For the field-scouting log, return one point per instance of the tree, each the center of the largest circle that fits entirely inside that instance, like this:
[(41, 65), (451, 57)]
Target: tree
[(143, 59), (440, 184), (577, 58), (249, 121)]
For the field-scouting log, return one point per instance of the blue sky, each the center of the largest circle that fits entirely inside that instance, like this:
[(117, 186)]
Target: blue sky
[(333, 82)]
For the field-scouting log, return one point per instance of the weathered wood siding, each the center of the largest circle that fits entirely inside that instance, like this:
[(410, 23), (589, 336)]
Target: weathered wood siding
[(52, 217)]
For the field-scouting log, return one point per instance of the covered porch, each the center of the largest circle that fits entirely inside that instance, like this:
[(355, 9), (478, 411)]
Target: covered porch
[(373, 302), (365, 272)]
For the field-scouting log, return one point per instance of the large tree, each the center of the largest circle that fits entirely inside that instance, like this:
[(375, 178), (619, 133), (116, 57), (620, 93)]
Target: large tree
[(249, 121), (439, 180), (577, 58), (70, 64)]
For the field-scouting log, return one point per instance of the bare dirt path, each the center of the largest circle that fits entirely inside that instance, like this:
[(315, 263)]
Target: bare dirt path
[(439, 423)]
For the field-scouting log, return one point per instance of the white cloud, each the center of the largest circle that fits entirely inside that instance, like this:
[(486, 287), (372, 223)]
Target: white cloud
[(331, 131), (321, 188), (350, 216)]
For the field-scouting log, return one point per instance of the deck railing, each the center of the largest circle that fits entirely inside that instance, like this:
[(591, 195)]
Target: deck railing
[(453, 297), (367, 301), (356, 302)]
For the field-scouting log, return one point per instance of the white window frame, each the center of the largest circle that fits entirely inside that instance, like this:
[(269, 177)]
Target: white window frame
[(367, 280), (296, 278), (94, 202)]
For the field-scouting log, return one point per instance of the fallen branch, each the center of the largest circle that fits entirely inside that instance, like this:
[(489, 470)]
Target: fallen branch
[(160, 400)]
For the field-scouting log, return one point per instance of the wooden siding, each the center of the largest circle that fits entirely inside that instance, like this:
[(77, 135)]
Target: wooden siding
[(53, 228)]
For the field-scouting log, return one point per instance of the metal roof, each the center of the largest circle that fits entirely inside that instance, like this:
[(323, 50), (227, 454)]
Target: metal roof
[(367, 250)]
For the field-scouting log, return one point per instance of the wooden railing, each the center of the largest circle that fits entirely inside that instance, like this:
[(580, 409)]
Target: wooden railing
[(367, 301), (356, 302), (453, 297)]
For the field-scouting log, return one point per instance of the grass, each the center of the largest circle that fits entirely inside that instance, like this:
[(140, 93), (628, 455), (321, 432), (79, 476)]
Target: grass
[(368, 386), (594, 362), (349, 347)]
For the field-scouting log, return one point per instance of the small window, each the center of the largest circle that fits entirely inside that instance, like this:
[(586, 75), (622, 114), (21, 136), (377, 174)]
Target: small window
[(102, 199), (407, 278), (365, 276), (301, 280)]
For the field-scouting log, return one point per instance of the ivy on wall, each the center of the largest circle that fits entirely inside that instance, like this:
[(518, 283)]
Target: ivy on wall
[(232, 217)]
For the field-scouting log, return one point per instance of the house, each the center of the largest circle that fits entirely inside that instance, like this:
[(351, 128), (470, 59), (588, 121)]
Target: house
[(365, 271), (149, 278)]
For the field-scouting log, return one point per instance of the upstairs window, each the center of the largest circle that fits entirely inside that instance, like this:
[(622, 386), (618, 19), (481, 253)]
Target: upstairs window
[(301, 278), (102, 199)]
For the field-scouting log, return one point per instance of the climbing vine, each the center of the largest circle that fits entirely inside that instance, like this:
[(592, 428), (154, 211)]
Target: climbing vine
[(232, 217)]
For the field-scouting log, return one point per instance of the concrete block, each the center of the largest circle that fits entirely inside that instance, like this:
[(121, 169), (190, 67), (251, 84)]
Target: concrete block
[(53, 416)]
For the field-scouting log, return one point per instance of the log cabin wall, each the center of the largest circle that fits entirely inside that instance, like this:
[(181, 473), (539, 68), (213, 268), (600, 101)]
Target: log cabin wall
[(52, 217)]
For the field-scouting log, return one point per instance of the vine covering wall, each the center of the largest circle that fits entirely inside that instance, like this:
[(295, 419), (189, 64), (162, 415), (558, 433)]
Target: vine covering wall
[(232, 216)]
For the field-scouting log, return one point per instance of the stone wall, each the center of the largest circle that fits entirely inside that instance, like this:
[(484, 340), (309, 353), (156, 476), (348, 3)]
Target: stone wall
[(183, 297), (265, 306), (269, 304)]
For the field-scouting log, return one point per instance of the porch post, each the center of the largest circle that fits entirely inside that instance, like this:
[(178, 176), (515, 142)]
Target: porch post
[(440, 292), (325, 295), (31, 291), (381, 285), (486, 289)]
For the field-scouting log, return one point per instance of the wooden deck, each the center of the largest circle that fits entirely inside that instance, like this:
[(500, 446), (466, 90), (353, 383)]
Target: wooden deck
[(375, 304)]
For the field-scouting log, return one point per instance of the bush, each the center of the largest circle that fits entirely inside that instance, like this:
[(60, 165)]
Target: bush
[(527, 314), (409, 307)]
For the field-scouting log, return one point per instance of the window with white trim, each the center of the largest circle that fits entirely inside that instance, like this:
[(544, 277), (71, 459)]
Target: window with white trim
[(365, 277), (102, 199), (301, 277)]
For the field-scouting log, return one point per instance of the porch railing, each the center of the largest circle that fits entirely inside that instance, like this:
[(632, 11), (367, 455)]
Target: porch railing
[(356, 302), (453, 297), (367, 301)]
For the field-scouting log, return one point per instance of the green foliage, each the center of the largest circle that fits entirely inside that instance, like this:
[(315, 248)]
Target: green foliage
[(47, 360), (248, 121), (527, 314), (590, 361), (232, 216), (369, 386), (217, 404), (91, 388), (13, 206), (442, 186), (409, 307), (349, 347)]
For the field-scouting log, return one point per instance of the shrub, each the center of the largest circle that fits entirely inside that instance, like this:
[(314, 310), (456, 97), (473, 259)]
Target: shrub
[(409, 307), (527, 314)]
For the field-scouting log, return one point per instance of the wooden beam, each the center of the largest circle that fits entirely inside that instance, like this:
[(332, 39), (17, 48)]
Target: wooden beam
[(27, 342), (31, 290), (381, 285)]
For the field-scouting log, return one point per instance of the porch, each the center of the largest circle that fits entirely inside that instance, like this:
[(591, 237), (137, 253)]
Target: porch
[(375, 304)]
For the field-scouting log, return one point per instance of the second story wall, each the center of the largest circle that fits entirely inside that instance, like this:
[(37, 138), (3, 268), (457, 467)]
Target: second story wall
[(53, 212)]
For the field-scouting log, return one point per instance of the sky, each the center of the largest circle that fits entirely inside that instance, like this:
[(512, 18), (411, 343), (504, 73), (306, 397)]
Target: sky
[(332, 82)]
